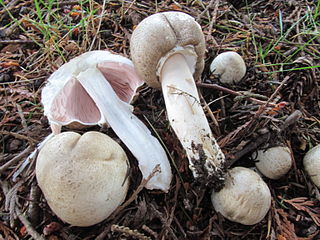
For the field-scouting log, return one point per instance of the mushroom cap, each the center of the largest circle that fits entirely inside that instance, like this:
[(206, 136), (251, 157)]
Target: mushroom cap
[(274, 162), (229, 66), (161, 35), (66, 102), (83, 178), (311, 162), (245, 197)]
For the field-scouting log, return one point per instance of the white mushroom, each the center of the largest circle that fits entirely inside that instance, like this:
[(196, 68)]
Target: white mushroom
[(311, 162), (229, 67), (168, 50), (273, 162), (83, 178), (66, 102), (95, 88), (245, 197)]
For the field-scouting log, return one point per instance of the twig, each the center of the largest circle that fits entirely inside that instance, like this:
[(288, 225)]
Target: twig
[(23, 120), (136, 192), (150, 231), (262, 108), (129, 232), (31, 231), (15, 159), (213, 19), (227, 90), (248, 148), (20, 136), (214, 120), (16, 41), (205, 11), (291, 119), (99, 24), (163, 221), (134, 195)]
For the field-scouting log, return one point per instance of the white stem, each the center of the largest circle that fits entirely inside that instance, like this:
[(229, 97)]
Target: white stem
[(135, 135), (189, 122)]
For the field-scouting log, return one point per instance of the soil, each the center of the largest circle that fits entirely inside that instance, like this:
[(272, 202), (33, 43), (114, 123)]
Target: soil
[(276, 103)]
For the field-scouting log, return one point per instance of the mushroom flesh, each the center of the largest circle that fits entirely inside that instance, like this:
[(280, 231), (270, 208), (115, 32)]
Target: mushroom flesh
[(96, 88), (229, 67), (168, 50), (245, 198), (83, 178), (273, 162), (311, 162), (66, 102)]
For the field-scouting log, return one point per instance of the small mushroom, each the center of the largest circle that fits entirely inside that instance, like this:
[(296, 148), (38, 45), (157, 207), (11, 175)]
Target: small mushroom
[(229, 67), (311, 162), (245, 198), (96, 88), (273, 162), (168, 50), (83, 178)]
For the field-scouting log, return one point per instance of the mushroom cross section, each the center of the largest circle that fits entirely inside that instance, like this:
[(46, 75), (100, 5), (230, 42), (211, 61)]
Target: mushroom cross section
[(168, 51), (96, 88), (66, 102)]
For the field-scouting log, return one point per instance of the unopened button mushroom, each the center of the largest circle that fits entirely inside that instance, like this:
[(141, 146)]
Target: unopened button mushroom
[(245, 198), (311, 162), (168, 50), (229, 67), (273, 162), (83, 178)]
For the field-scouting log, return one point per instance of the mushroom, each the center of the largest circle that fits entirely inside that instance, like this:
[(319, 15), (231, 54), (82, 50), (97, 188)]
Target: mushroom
[(65, 101), (229, 67), (245, 197), (96, 88), (83, 178), (273, 162), (311, 162), (168, 50)]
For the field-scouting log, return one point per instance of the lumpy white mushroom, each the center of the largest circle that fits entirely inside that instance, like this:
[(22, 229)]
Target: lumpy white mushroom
[(83, 178), (311, 162), (96, 88), (229, 67), (245, 197), (273, 162), (168, 50)]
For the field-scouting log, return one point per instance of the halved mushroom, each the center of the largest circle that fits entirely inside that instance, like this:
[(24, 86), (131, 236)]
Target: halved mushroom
[(245, 198), (66, 102), (95, 88), (168, 50), (83, 178), (229, 67)]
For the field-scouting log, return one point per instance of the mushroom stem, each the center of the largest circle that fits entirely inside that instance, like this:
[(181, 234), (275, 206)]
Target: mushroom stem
[(135, 135), (189, 122)]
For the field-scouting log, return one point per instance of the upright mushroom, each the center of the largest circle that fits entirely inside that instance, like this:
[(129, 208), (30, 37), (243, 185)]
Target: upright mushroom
[(83, 178), (95, 88), (168, 50)]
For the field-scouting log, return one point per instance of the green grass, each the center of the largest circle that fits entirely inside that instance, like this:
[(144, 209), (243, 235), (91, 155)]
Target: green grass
[(51, 26), (309, 31)]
